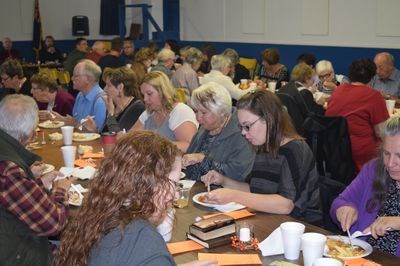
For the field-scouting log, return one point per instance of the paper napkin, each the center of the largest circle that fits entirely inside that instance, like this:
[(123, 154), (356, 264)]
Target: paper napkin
[(83, 163), (187, 183), (93, 155), (273, 244), (230, 207), (83, 173), (183, 246), (231, 259), (361, 262), (235, 214)]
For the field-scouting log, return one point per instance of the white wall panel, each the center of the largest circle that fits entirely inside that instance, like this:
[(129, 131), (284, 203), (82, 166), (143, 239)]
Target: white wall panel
[(315, 17)]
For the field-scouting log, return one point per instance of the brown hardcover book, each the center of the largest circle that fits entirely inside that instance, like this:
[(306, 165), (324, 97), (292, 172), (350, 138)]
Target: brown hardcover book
[(213, 223), (212, 243), (213, 227)]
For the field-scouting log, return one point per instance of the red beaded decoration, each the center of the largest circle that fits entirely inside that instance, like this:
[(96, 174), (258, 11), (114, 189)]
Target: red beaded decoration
[(242, 246)]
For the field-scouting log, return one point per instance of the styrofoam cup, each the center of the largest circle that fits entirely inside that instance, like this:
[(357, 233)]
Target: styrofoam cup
[(313, 245), (272, 86), (390, 106), (165, 228), (291, 238), (69, 153), (67, 132)]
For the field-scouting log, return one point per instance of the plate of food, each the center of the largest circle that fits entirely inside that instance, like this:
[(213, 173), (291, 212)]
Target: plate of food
[(48, 168), (201, 199), (74, 198), (85, 136), (339, 247), (51, 124), (55, 136)]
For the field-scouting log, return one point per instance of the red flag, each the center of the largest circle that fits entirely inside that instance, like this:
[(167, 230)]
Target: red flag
[(37, 30)]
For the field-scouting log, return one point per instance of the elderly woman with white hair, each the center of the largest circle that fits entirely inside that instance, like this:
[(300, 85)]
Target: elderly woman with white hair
[(220, 67), (328, 80), (218, 144), (186, 76), (166, 60)]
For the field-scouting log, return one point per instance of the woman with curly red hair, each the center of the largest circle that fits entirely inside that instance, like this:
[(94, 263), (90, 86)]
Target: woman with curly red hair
[(130, 196)]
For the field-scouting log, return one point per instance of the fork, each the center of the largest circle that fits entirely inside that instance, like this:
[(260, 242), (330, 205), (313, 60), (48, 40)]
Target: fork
[(359, 233), (83, 120)]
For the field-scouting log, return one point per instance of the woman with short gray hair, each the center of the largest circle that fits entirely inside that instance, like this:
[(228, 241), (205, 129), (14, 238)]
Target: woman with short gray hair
[(218, 144), (220, 68), (186, 76), (238, 71)]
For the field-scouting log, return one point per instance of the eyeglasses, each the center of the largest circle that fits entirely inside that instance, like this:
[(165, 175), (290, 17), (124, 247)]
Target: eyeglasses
[(324, 76), (247, 128)]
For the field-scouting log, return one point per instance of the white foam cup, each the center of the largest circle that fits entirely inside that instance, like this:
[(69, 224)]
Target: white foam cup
[(165, 228), (390, 106), (272, 86), (291, 238), (68, 153), (67, 132), (313, 245)]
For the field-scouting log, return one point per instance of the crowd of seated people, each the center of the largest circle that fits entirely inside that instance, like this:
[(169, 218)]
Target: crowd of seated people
[(242, 141)]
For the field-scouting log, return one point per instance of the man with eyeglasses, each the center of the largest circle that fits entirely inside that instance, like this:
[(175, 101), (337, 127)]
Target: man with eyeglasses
[(89, 111)]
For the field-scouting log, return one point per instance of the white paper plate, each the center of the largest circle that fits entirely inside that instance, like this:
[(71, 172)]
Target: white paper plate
[(357, 242), (51, 124), (81, 137), (48, 169), (212, 205)]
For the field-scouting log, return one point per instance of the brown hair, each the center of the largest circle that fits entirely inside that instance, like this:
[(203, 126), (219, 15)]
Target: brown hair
[(271, 56), (124, 76), (130, 184), (268, 106), (43, 80)]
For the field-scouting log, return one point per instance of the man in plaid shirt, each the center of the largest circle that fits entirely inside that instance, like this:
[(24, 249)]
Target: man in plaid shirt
[(28, 213)]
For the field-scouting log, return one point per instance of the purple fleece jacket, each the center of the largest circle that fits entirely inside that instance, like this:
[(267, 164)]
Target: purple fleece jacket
[(356, 195)]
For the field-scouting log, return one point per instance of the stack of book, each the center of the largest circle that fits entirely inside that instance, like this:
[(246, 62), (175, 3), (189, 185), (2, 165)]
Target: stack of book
[(213, 232)]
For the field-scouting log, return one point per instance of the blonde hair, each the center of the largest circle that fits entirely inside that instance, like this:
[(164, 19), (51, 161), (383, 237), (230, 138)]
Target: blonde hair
[(301, 72), (324, 66), (161, 83)]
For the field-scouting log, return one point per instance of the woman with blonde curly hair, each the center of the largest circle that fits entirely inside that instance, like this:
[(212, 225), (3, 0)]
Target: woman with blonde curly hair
[(164, 115), (134, 188)]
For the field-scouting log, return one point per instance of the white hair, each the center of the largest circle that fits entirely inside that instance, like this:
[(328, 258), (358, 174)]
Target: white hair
[(324, 66), (213, 97), (19, 116), (165, 54), (219, 62)]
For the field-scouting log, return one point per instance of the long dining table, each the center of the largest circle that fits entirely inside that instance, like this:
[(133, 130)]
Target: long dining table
[(263, 223)]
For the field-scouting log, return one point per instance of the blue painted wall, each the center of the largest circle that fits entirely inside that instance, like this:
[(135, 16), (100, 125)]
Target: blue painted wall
[(341, 57)]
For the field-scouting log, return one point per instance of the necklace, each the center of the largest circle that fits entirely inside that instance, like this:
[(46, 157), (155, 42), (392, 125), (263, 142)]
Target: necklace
[(120, 110), (219, 129)]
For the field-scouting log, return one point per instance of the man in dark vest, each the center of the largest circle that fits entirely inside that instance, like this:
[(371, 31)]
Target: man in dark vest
[(28, 213)]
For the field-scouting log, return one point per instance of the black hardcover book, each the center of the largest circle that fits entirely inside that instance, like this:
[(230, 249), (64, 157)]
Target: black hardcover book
[(212, 243)]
